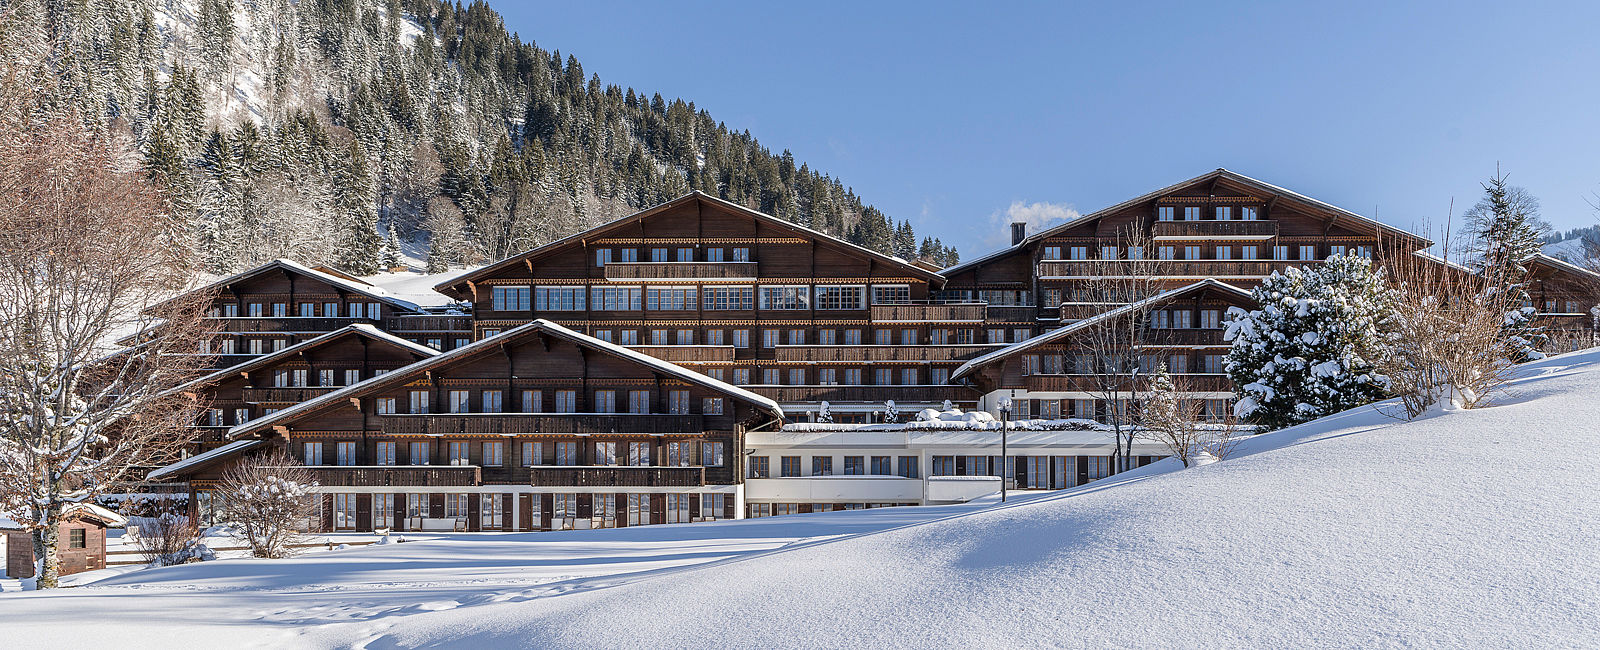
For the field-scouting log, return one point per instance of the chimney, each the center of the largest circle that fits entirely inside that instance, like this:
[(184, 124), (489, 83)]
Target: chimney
[(1019, 232)]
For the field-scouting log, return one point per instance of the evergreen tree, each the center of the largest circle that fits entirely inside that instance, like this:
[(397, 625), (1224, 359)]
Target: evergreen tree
[(1506, 227), (356, 203), (391, 250), (1313, 346)]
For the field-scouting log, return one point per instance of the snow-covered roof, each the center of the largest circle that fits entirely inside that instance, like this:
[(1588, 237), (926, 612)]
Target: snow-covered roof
[(1562, 264), (110, 518), (1055, 334), (357, 286), (538, 324), (267, 359), (1435, 258), (1148, 196), (205, 458), (696, 194)]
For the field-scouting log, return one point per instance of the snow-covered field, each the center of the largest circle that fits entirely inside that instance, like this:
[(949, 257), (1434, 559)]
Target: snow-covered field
[(1462, 529)]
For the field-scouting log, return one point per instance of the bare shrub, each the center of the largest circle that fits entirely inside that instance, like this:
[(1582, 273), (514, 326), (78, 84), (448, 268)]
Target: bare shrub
[(1451, 344), (267, 498), (164, 539), (1172, 419)]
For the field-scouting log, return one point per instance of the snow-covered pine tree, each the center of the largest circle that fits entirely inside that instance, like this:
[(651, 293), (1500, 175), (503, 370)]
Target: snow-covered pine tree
[(391, 250), (1313, 346), (1506, 229), (356, 202)]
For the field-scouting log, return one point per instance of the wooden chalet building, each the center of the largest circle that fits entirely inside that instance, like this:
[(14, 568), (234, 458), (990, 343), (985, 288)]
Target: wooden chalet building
[(272, 382), (538, 428), (747, 298), (1565, 296)]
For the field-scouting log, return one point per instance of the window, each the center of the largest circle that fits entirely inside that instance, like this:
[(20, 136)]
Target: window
[(1052, 252), (564, 511), (459, 454), (255, 310), (658, 254), (908, 376), (312, 453), (344, 453), (1099, 466), (881, 467), (1280, 252), (797, 376), (628, 337), (1135, 252), (711, 454), (685, 337), (854, 466), (939, 376), (605, 453), (492, 401), (1248, 214), (344, 511), (352, 377), (1021, 334), (494, 454), (685, 254), (455, 505), (419, 453), (882, 337), (605, 401), (308, 309), (882, 376), (384, 453), (796, 297), (769, 338), (741, 376), (491, 511), (944, 466), (726, 298), (1191, 213), (1308, 252), (1224, 252), (714, 254), (1210, 319), (789, 466), (382, 510), (1108, 252), (280, 379), (638, 509), (1214, 364), (509, 298), (678, 402), (558, 299), (1224, 213), (680, 454), (852, 376), (849, 297), (1183, 319), (532, 401), (759, 467), (356, 310), (713, 506), (628, 254), (1080, 252), (1191, 252), (214, 417), (435, 343), (769, 376), (997, 335), (677, 508), (942, 336), (242, 415), (906, 466), (602, 256), (1364, 251), (280, 310), (1334, 251), (532, 454), (1164, 213), (741, 254), (489, 332), (1248, 253), (891, 294), (459, 402), (852, 337), (615, 298), (669, 298), (566, 453), (821, 465), (566, 401), (714, 337), (639, 401), (797, 337), (741, 338), (827, 376), (719, 374)]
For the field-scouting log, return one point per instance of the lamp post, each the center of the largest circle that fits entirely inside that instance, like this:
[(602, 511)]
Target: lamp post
[(1005, 423)]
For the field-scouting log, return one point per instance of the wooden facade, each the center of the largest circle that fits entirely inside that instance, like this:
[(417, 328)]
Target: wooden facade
[(1565, 298), (82, 546)]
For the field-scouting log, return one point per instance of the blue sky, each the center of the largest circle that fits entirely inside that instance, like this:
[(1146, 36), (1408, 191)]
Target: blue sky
[(961, 117)]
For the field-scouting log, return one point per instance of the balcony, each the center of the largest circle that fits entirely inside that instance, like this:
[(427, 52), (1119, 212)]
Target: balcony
[(617, 476), (573, 424), (398, 475), (930, 313), (255, 395), (680, 271), (1222, 269), (687, 353), (1232, 230), (1211, 383), (877, 394), (879, 353), (280, 324), (428, 324)]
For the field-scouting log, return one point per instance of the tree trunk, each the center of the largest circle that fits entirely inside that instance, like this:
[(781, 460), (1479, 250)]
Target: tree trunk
[(45, 542)]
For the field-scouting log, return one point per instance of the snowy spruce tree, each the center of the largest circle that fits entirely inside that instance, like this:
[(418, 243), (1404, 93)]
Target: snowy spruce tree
[(1313, 346), (391, 250), (1506, 229)]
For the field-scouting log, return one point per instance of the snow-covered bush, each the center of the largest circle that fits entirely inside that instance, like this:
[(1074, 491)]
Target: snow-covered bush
[(1315, 344), (266, 498), (164, 539), (824, 415), (891, 413)]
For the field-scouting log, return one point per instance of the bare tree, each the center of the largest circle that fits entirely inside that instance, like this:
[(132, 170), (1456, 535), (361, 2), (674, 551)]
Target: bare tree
[(1114, 347), (1171, 420), (87, 254), (1451, 346), (268, 498)]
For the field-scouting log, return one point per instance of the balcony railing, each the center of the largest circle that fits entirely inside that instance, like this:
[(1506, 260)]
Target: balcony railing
[(576, 423), (876, 353), (1243, 230), (1211, 383), (428, 324), (687, 353), (280, 324), (930, 312), (398, 475), (255, 395), (1086, 269), (877, 394), (680, 270), (618, 476)]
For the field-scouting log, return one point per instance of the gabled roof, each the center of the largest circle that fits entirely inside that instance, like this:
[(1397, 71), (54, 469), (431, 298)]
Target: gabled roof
[(1063, 332), (201, 460), (353, 286), (79, 510), (540, 325), (1151, 196), (360, 329), (1563, 265), (448, 286)]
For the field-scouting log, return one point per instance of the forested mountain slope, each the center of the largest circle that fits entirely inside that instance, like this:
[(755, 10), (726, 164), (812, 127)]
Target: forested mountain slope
[(310, 128)]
